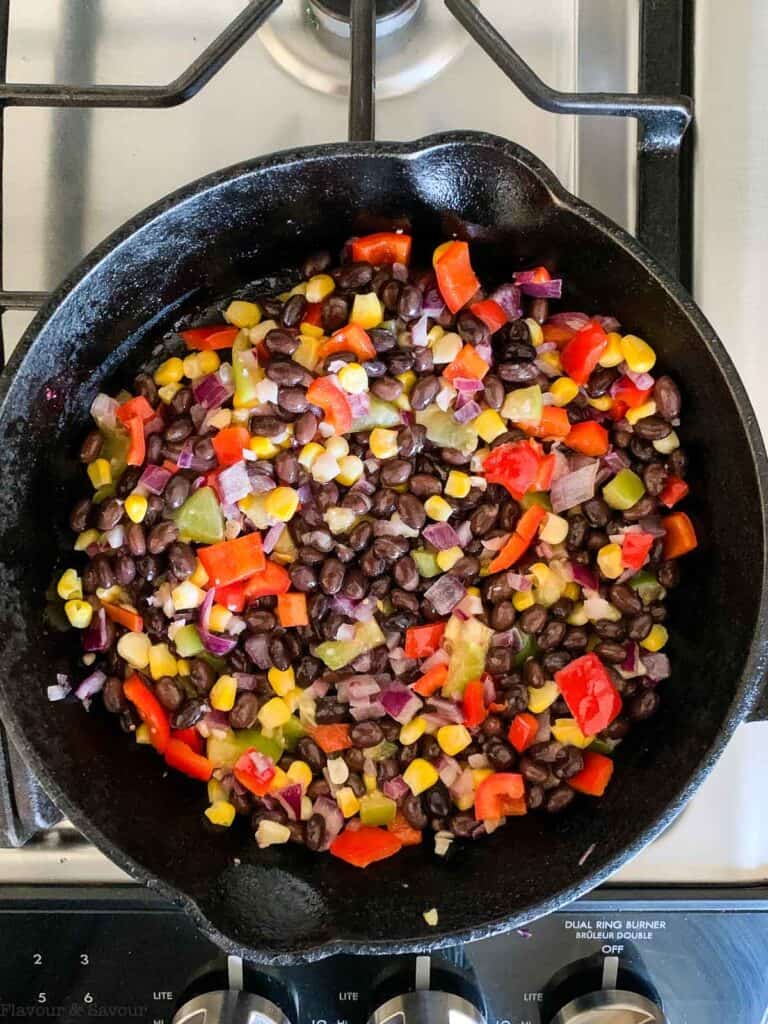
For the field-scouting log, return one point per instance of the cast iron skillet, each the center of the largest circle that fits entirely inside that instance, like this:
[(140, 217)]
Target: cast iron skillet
[(243, 223)]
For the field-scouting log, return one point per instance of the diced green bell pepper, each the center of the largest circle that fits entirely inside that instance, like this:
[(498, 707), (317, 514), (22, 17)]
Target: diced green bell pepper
[(536, 498), (218, 665), (291, 732), (607, 747), (246, 372), (380, 414), (114, 448), (528, 650), (524, 405), (426, 563), (625, 490), (648, 587), (199, 519), (444, 431), (377, 809), (335, 654), (467, 644), (107, 491), (188, 642), (225, 750), (381, 751)]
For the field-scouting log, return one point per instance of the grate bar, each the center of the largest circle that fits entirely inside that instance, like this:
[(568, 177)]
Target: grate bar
[(21, 300), (198, 74), (362, 66)]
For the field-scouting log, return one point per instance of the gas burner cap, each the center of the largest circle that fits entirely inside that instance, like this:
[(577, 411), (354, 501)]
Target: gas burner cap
[(415, 41)]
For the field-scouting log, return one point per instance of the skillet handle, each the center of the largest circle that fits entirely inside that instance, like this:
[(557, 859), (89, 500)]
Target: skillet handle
[(25, 807)]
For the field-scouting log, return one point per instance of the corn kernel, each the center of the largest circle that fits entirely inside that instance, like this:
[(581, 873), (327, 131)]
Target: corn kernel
[(307, 354), (134, 648), (351, 468), (320, 287), (640, 412), (453, 738), (219, 618), (300, 772), (440, 251), (458, 484), (187, 595), (112, 595), (534, 331), (638, 354), (543, 697), (161, 661), (656, 639), (85, 539), (353, 379), (348, 803), (223, 693), (412, 731), (281, 503), (523, 599), (191, 365), (99, 473), (367, 310), (612, 355), (221, 813), (274, 713), (464, 802), (242, 314), (208, 361), (370, 783), (603, 403), (563, 390), (136, 507), (282, 681), (667, 445), (554, 529), (337, 446), (298, 289), (70, 585), (293, 699), (435, 334), (263, 447), (489, 425), (199, 577), (578, 616), (609, 561), (420, 775), (169, 372), (168, 392), (216, 791), (446, 348), (221, 419), (572, 591), (438, 508), (448, 558), (408, 380), (552, 359), (182, 667), (143, 734), (567, 731), (79, 613), (383, 443), (309, 453), (325, 468), (271, 833), (479, 775), (261, 330), (279, 780)]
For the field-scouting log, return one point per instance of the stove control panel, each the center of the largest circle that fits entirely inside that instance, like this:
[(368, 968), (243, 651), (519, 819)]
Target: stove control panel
[(618, 957)]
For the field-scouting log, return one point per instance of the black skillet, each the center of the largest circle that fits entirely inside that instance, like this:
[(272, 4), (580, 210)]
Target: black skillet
[(244, 223)]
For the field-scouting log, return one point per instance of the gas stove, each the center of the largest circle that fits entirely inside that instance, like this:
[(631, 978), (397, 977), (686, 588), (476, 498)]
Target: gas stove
[(680, 934)]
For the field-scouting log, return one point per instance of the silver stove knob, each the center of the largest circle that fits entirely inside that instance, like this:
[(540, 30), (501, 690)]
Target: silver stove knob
[(610, 1006), (229, 1007), (427, 1007)]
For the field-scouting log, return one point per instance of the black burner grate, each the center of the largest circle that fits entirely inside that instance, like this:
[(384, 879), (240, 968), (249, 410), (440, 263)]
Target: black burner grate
[(663, 158)]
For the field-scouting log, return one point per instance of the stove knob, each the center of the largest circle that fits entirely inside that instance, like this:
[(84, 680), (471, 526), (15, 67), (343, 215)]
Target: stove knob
[(610, 1006), (602, 990), (229, 1007), (427, 1007)]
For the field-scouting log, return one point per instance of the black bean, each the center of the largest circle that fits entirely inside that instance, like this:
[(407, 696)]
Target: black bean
[(285, 372), (570, 764), (334, 313), (438, 800), (424, 392), (293, 400), (643, 706), (516, 699), (176, 492), (387, 388), (161, 537), (641, 449), (303, 578), (390, 548), (182, 560), (578, 528), (154, 449), (395, 472), (500, 754), (310, 555), (114, 699), (668, 574), (617, 730), (411, 511), (609, 630), (640, 626), (498, 661), (314, 833), (517, 373), (462, 825), (104, 571), (677, 463), (552, 635), (91, 446), (147, 568), (410, 302), (575, 639), (315, 263), (531, 770), (169, 693), (652, 428), (493, 392), (534, 797), (471, 329), (293, 311), (310, 752), (353, 276), (188, 714), (503, 616), (125, 570), (600, 382), (182, 401), (245, 712), (128, 481), (454, 457), (533, 674), (110, 513), (331, 576), (667, 397), (201, 675), (366, 734), (371, 565), (424, 485), (383, 340), (625, 599), (553, 661), (483, 519), (596, 511), (282, 341), (145, 386), (390, 294), (80, 514), (360, 536), (654, 478), (645, 507), (257, 620), (610, 651), (413, 811), (558, 799), (399, 362), (533, 619), (179, 430), (278, 653)]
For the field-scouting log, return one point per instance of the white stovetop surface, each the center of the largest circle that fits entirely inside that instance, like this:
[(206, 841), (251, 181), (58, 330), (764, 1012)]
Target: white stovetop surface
[(72, 177)]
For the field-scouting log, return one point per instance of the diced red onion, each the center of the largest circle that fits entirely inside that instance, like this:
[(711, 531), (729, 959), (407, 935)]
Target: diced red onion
[(652, 525), (495, 543), (478, 761), (395, 788), (508, 297), (104, 411), (261, 483), (630, 657), (91, 685), (59, 691), (319, 688), (445, 594), (574, 488), (154, 479), (643, 381), (359, 404), (213, 723), (247, 681), (615, 460), (448, 769), (363, 486), (470, 605), (400, 703), (546, 346), (584, 576), (154, 426), (211, 392), (197, 415), (334, 820), (469, 411), (361, 687), (657, 666), (236, 625), (433, 304), (419, 331), (463, 784), (460, 614), (271, 537), (464, 533), (542, 289), (484, 350), (596, 607), (467, 385), (115, 537), (440, 657), (517, 581), (510, 638), (96, 636), (366, 712), (290, 800), (574, 321), (435, 721), (345, 632), (441, 535), (544, 550), (544, 732), (608, 323), (218, 645), (447, 709), (489, 689), (233, 483)]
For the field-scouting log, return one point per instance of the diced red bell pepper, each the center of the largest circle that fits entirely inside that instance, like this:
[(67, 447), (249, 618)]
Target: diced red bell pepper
[(292, 609), (675, 489), (594, 777), (558, 333), (490, 313), (455, 276), (170, 466), (362, 846), (350, 338), (229, 444), (467, 364), (273, 579), (498, 795), (124, 617), (635, 548), (618, 410), (520, 540), (422, 641), (554, 423), (191, 737), (589, 438), (538, 275), (589, 693), (208, 338), (255, 771), (232, 596), (543, 481), (330, 738), (137, 448), (233, 560), (628, 393), (150, 710), (523, 730), (473, 704), (136, 407), (680, 536), (313, 315), (382, 247), (431, 681), (332, 400), (581, 354), (407, 835), (515, 465), (181, 757)]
